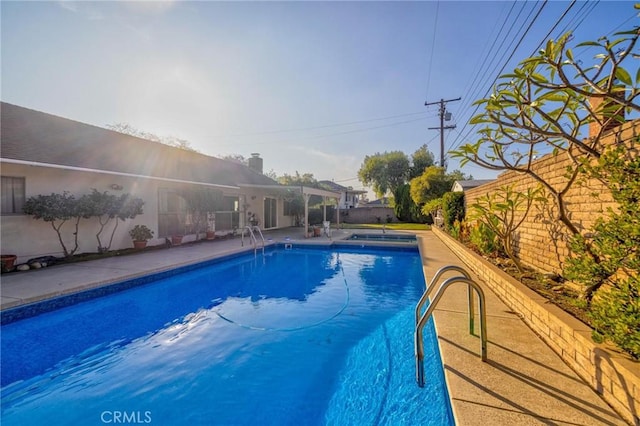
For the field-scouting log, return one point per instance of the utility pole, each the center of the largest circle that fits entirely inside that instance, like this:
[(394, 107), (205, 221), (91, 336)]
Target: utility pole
[(442, 127)]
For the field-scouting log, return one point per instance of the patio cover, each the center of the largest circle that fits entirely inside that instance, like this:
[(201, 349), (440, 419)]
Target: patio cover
[(306, 192)]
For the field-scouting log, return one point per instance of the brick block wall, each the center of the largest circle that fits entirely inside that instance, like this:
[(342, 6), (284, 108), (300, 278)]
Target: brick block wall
[(367, 215), (615, 376), (542, 240)]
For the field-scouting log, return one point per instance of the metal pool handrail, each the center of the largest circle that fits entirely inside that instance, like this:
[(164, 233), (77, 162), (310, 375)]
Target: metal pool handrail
[(432, 285), (418, 335), (253, 238)]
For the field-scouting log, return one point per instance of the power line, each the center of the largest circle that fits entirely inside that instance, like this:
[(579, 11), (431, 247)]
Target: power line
[(433, 44), (578, 18), (554, 26), (488, 74), (487, 54), (325, 126), (335, 134), (505, 64)]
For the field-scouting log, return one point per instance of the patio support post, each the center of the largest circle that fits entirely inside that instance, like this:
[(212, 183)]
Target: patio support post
[(306, 213), (324, 207)]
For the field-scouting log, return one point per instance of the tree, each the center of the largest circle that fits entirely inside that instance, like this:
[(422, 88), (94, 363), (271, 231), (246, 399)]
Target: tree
[(107, 207), (305, 179), (390, 172), (173, 141), (57, 209), (503, 211), (237, 158), (431, 184), (421, 159), (432, 206), (384, 172), (542, 108), (402, 205)]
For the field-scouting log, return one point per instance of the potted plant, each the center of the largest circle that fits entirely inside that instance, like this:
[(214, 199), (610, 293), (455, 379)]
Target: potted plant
[(7, 261), (140, 234)]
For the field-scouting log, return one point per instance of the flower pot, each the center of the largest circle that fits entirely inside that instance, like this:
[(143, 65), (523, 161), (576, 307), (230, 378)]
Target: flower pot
[(139, 245), (317, 231), (176, 240), (7, 261), (211, 235)]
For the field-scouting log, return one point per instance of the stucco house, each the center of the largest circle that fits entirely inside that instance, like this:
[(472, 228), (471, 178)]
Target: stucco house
[(42, 154), (464, 185), (349, 197)]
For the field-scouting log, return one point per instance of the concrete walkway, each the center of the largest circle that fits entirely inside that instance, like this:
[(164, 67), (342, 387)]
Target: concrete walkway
[(523, 382)]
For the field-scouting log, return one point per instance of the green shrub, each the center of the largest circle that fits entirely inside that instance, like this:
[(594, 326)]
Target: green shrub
[(452, 208), (484, 239), (456, 230), (607, 261)]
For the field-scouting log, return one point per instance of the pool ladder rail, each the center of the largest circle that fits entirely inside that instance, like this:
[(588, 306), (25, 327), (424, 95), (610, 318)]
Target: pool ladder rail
[(421, 319), (252, 237)]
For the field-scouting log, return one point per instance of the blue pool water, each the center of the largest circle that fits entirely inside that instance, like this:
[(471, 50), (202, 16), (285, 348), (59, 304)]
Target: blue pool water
[(299, 337)]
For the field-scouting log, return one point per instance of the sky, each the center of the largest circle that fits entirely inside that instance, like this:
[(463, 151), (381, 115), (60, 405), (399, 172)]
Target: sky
[(313, 87)]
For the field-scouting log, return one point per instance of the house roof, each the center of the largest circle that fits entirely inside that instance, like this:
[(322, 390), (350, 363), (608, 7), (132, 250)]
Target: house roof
[(37, 137), (332, 186), (468, 184), (380, 202)]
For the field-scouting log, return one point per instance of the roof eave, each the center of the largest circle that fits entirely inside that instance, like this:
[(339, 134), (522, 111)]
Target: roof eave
[(112, 173)]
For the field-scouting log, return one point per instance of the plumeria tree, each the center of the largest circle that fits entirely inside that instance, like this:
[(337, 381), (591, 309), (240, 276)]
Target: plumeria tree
[(546, 106), (503, 211)]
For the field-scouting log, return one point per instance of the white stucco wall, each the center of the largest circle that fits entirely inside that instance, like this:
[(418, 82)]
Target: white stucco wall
[(27, 237)]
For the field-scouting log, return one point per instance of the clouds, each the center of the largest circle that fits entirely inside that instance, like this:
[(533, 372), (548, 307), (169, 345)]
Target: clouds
[(91, 9), (88, 10)]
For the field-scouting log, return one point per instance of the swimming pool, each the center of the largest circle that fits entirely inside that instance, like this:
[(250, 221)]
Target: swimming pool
[(305, 336), (403, 238)]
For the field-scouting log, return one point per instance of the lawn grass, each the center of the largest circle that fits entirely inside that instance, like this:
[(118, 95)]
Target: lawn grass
[(391, 226)]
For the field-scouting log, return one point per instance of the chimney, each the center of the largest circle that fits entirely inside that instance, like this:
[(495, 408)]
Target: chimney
[(255, 162)]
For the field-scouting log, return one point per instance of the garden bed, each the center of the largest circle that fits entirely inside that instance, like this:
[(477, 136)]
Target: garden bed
[(609, 371), (550, 286)]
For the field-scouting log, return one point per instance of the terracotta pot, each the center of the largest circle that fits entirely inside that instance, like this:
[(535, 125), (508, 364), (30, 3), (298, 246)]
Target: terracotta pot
[(139, 245), (7, 261), (176, 240), (211, 235)]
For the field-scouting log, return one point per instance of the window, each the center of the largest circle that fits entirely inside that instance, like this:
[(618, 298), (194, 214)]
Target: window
[(172, 213), (12, 193)]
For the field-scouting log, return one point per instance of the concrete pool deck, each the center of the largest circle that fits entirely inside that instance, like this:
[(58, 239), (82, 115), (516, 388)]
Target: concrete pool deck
[(523, 382)]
